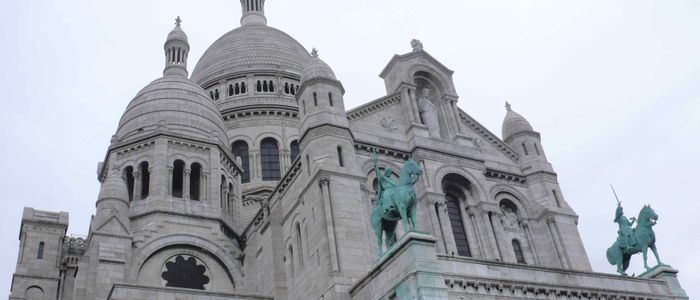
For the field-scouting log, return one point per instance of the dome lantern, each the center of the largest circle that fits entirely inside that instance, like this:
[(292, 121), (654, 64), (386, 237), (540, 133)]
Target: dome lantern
[(514, 123), (176, 48), (253, 12)]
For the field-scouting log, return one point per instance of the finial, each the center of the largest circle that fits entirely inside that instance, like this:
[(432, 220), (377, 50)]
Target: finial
[(508, 106), (314, 52), (417, 45), (178, 21)]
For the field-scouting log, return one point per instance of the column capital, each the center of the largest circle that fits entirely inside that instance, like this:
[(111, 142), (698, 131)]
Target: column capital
[(324, 181), (551, 220), (188, 171)]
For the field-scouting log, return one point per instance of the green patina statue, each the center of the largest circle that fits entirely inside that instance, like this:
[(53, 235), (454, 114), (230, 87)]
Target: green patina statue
[(631, 241), (394, 201)]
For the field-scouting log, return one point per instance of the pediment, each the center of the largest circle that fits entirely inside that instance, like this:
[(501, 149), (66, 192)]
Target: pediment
[(113, 226)]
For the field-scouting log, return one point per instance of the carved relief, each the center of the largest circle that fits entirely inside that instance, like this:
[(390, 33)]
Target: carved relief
[(389, 124)]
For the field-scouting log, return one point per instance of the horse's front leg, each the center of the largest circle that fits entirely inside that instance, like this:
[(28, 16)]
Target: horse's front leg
[(656, 254), (644, 254), (401, 207), (414, 211)]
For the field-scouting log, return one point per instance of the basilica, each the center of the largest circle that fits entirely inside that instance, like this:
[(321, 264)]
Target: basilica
[(250, 179)]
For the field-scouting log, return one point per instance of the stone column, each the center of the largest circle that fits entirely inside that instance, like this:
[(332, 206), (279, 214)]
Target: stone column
[(491, 235), (224, 199), (169, 181), (448, 236), (137, 186), (557, 242), (476, 215), (186, 184), (324, 182), (455, 110), (150, 181), (498, 233), (407, 106), (531, 243), (476, 243), (414, 104), (204, 188), (436, 223)]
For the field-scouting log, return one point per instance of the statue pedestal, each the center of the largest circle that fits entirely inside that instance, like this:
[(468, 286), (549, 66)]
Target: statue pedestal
[(668, 274), (407, 271)]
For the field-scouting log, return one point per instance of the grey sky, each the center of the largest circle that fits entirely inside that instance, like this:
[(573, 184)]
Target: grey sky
[(613, 87)]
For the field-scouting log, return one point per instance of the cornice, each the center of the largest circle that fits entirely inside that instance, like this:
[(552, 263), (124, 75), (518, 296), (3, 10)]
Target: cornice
[(374, 106), (487, 135)]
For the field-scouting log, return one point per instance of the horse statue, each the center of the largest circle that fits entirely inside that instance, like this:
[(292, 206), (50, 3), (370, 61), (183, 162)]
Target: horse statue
[(631, 241), (394, 202)]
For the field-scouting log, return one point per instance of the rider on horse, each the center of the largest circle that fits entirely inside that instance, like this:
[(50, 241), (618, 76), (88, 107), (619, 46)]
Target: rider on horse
[(384, 181), (625, 232)]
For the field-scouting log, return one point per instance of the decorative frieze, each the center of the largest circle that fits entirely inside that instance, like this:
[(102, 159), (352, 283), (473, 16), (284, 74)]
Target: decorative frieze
[(505, 176)]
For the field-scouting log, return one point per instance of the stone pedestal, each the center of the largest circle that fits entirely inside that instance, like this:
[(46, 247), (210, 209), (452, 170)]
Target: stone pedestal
[(668, 274), (410, 270)]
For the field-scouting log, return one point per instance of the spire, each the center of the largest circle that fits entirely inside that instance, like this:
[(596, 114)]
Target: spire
[(508, 106), (253, 12), (176, 48)]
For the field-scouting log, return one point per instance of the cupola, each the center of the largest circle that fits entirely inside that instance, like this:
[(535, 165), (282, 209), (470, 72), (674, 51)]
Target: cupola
[(177, 48), (253, 12), (514, 123)]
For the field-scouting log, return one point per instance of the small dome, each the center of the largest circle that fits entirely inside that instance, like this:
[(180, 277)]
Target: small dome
[(177, 33), (251, 47), (514, 123), (317, 68), (175, 105), (114, 188)]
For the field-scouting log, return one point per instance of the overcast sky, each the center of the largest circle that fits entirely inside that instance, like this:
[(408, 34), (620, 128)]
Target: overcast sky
[(612, 86)]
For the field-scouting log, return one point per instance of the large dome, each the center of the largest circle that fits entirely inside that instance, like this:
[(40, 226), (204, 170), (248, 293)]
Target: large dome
[(175, 105), (251, 47)]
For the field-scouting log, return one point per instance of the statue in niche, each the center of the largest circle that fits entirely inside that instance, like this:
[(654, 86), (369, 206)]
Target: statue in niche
[(428, 114), (509, 218)]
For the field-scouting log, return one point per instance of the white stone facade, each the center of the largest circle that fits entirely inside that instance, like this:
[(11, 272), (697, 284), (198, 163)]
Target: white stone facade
[(251, 180)]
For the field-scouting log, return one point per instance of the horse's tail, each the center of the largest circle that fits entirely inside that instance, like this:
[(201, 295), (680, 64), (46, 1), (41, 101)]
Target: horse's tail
[(614, 254)]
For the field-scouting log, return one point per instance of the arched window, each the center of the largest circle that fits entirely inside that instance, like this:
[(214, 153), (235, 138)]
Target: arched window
[(34, 293), (454, 187), (230, 198), (308, 166), (129, 179), (230, 89), (315, 99), (259, 87), (178, 176), (294, 148), (525, 149), (222, 188), (272, 86), (286, 87), (40, 252), (457, 225), (270, 160), (518, 252), (330, 98), (291, 260), (300, 247), (242, 87), (195, 184), (537, 149), (145, 180), (240, 149), (340, 156)]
